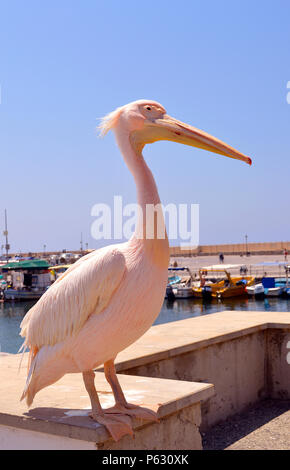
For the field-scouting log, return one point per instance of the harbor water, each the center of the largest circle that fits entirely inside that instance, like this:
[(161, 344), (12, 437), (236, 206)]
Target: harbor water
[(11, 313)]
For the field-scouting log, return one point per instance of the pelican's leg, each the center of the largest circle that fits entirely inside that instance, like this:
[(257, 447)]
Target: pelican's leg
[(117, 426), (121, 403)]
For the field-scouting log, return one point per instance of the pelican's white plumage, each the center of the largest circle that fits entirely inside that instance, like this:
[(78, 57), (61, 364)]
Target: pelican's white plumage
[(109, 298)]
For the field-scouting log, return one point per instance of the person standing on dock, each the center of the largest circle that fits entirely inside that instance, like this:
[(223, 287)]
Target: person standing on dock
[(221, 256)]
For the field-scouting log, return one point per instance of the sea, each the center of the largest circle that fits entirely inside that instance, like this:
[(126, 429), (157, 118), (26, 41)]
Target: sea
[(11, 314)]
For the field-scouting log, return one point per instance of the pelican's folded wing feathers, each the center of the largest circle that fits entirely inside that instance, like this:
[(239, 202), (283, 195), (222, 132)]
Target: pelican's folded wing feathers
[(84, 289)]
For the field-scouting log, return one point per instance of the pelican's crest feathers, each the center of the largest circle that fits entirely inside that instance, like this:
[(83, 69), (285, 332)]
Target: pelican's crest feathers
[(109, 121)]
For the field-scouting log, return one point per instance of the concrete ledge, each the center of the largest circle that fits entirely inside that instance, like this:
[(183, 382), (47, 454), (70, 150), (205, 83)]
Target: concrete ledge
[(244, 354), (180, 337), (61, 411)]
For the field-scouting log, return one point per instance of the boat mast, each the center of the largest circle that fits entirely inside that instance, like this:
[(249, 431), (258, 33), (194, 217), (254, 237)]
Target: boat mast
[(5, 233), (81, 241)]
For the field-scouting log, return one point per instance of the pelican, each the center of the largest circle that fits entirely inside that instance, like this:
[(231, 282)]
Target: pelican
[(110, 297)]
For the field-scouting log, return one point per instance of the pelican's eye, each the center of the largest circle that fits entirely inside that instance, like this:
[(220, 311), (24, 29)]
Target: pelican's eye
[(149, 108)]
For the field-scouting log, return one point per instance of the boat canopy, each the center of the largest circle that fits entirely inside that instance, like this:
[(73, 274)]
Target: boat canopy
[(272, 263), (31, 264), (178, 269), (221, 267), (60, 266)]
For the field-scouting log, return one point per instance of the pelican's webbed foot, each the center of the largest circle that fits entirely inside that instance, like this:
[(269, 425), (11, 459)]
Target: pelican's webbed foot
[(135, 411), (118, 425)]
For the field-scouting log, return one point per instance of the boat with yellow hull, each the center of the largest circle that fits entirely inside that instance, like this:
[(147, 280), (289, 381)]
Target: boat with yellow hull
[(203, 291), (231, 286)]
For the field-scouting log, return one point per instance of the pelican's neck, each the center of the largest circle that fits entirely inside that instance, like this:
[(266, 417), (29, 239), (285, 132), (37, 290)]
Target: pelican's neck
[(149, 235)]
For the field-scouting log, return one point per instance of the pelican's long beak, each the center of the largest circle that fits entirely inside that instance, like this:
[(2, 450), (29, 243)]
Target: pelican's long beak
[(168, 128)]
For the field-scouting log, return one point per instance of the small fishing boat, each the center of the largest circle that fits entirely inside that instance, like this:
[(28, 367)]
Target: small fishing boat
[(179, 287), (26, 280), (183, 291), (276, 291), (231, 286), (272, 288), (256, 290), (23, 294)]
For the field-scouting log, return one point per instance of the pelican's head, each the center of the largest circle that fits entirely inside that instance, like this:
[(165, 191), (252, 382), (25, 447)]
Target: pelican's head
[(146, 121)]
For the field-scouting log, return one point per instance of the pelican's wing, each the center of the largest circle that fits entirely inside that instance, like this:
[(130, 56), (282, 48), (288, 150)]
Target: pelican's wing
[(76, 265), (86, 288)]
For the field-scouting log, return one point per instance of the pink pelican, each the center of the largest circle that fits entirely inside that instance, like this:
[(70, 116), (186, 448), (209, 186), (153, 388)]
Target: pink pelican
[(110, 297)]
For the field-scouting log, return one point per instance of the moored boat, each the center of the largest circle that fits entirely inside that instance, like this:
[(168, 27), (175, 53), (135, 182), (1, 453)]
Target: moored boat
[(179, 287), (256, 290), (276, 291), (231, 286), (183, 291), (26, 280), (272, 288), (23, 294)]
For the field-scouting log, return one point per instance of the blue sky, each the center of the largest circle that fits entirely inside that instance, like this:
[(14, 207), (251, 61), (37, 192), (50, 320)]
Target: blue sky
[(221, 66)]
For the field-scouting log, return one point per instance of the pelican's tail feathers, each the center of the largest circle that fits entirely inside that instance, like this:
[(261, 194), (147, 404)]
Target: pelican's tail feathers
[(22, 349), (28, 389)]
